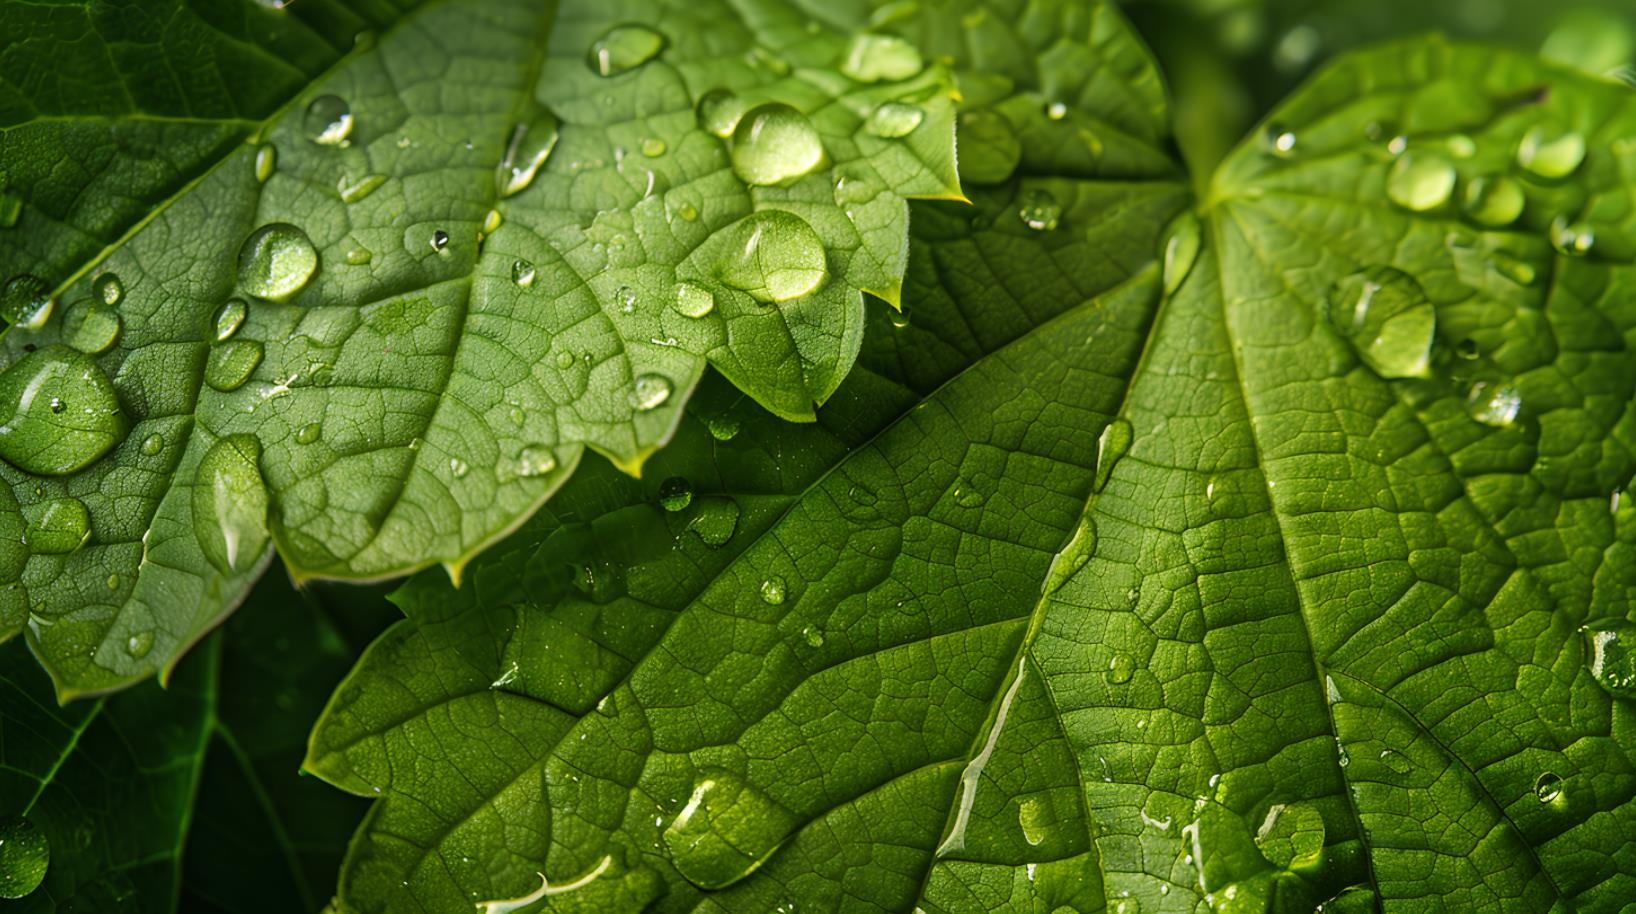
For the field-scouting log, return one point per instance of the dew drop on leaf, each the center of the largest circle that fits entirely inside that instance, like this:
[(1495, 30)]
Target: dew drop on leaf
[(1039, 210), (719, 112), (276, 261), (1034, 819), (357, 255), (772, 254), (86, 423), (773, 591), (1574, 239), (1120, 668), (653, 147), (1279, 141), (1385, 316), (1612, 656), (230, 317), (727, 829), (535, 460), (872, 57), (152, 445), (230, 503), (266, 161), (439, 240), (91, 328), (1420, 181), (1548, 787), (1493, 201), (625, 299), (1111, 446), (1056, 111), (458, 467), (25, 854), (25, 302), (57, 525), (624, 48), (1075, 554), (675, 494), (530, 145), (231, 363), (775, 143), (894, 119), (693, 300), (139, 644), (565, 359), (649, 391), (1494, 403), (1550, 151), (353, 190), (328, 121), (308, 433), (1181, 250), (523, 274), (108, 288), (716, 520)]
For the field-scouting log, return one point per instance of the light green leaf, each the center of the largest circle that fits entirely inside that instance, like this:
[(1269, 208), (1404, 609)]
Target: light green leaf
[(379, 334)]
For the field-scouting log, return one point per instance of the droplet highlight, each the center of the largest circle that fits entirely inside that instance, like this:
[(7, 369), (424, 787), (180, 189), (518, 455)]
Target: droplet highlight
[(276, 261), (1385, 316), (775, 143), (328, 121)]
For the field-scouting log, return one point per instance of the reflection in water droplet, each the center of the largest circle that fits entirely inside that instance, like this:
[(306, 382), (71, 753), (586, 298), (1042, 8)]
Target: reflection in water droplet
[(530, 145), (266, 161), (25, 855), (1548, 788), (772, 254), (439, 240), (624, 48), (1120, 668), (728, 828), (1494, 403), (231, 363), (1385, 316), (894, 119), (230, 504), (873, 58), (328, 120), (1279, 140), (459, 468), (536, 460), (775, 143), (675, 494), (139, 644), (230, 317), (57, 525), (719, 112), (1420, 181), (1056, 111), (276, 261), (523, 273), (648, 392), (152, 445), (1494, 201), (108, 288), (1551, 151), (26, 302), (773, 590), (1612, 656), (1039, 210), (86, 423)]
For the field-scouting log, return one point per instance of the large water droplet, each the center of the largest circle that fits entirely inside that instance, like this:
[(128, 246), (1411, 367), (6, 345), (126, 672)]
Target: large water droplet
[(328, 120), (1551, 151), (26, 302), (773, 255), (1384, 314), (1039, 210), (523, 274), (1121, 668), (894, 119), (108, 288), (531, 144), (1575, 239), (230, 503), (91, 327), (649, 391), (1548, 787), (773, 590), (230, 317), (153, 444), (309, 433), (63, 412), (439, 240), (719, 112), (1612, 656), (536, 460), (716, 520), (139, 644), (623, 48), (693, 300), (1420, 181), (276, 261), (57, 525), (25, 855), (231, 363), (726, 830), (1112, 445), (872, 58), (775, 143), (1495, 403), (1292, 836), (1493, 201), (675, 494)]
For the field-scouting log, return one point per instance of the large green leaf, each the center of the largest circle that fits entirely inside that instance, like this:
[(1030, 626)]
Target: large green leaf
[(1295, 584), (493, 234)]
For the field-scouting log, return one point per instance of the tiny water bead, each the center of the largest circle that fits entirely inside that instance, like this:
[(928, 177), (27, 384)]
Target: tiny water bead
[(230, 317), (1494, 403), (728, 828), (1055, 110), (894, 119), (872, 57), (523, 274), (354, 189), (439, 240), (625, 299), (693, 300), (1420, 181), (63, 413), (773, 591), (1385, 316), (623, 48), (25, 302), (57, 525), (91, 328), (1548, 787), (1279, 141), (1574, 239), (1612, 657), (266, 161), (1493, 201), (775, 143), (648, 392), (231, 363), (108, 288), (1181, 250), (25, 855), (530, 146), (1121, 668), (1039, 210), (230, 504), (716, 521), (458, 468), (1550, 151), (535, 460), (328, 121), (152, 445), (139, 644), (358, 255), (675, 494), (276, 261), (653, 147), (771, 254), (719, 112)]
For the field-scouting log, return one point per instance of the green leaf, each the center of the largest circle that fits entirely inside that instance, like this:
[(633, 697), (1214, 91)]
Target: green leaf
[(380, 332), (185, 799), (1202, 585)]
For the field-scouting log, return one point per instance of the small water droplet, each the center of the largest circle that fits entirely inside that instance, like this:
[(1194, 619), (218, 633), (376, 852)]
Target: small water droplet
[(1548, 787), (1181, 250), (693, 300), (536, 460), (48, 442), (309, 433), (276, 261), (1279, 141), (530, 145), (1385, 316), (565, 359), (728, 828), (230, 503), (1111, 446), (230, 317), (523, 273), (152, 445), (894, 119), (91, 328), (716, 520), (872, 57), (967, 494), (648, 392), (772, 254), (719, 112), (773, 591), (625, 299), (328, 120), (675, 494), (491, 223), (113, 582), (775, 143), (352, 191), (357, 255), (812, 635), (458, 467), (1120, 668), (1039, 210), (439, 240), (1575, 239), (1056, 111), (653, 147), (1550, 151), (1494, 403), (57, 526), (231, 363), (624, 48), (108, 288), (1493, 201), (266, 161), (139, 644), (1612, 656), (25, 855), (26, 302), (1420, 181)]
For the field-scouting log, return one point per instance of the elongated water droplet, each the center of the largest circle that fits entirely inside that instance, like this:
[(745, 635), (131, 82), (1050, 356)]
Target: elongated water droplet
[(1575, 239), (530, 145), (1039, 210), (308, 433), (25, 855), (266, 161), (57, 525), (1548, 787), (623, 48), (653, 147), (1495, 403), (439, 240), (719, 112), (1493, 201), (26, 302), (353, 190), (63, 414), (1551, 151), (1279, 141), (1111, 446), (1075, 554), (1385, 316), (1181, 250), (1034, 819), (11, 209), (894, 119), (108, 288), (727, 829), (775, 143), (152, 445), (535, 460), (675, 494), (230, 504), (1420, 181), (693, 300), (773, 255), (357, 255), (1612, 656), (276, 261), (523, 274), (649, 391), (873, 58), (139, 644), (328, 120), (230, 317), (231, 363), (91, 328)]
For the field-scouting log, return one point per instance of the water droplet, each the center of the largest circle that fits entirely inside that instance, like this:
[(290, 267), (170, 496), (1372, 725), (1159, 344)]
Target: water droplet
[(727, 829), (1120, 668), (1518, 271), (1385, 316), (624, 48), (763, 59), (1279, 140), (1493, 201), (873, 57), (967, 494), (352, 191), (1034, 817), (1494, 403), (649, 391), (230, 317), (152, 445), (25, 855), (693, 300), (625, 299), (108, 288), (775, 143), (1292, 836), (1111, 446), (812, 635), (266, 161), (309, 433), (1550, 151), (719, 112), (773, 591), (1612, 656), (894, 119), (653, 147), (675, 494), (276, 261), (231, 363), (773, 255), (1039, 210), (1181, 250), (139, 644), (1056, 111), (230, 504), (11, 209), (1575, 239), (113, 582), (458, 467), (91, 328), (439, 240), (530, 145), (716, 520), (26, 302), (1420, 181), (565, 359), (535, 460), (357, 255), (47, 442), (1548, 787), (1075, 554), (57, 525), (523, 273), (328, 120)]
